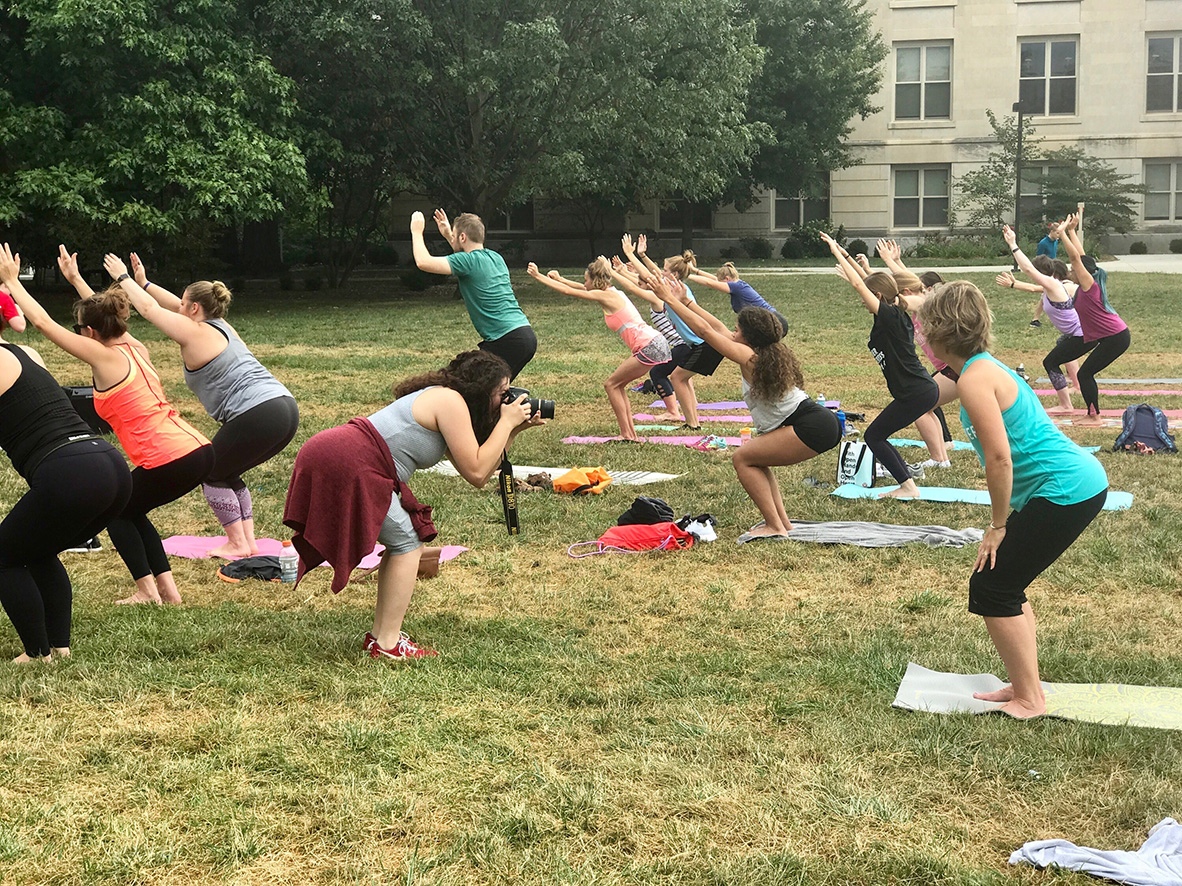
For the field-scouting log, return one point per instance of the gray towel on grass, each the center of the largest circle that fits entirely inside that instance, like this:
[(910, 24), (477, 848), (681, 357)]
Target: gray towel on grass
[(1157, 863), (882, 535)]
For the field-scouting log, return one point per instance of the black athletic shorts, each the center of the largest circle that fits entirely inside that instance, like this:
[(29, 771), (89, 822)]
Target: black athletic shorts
[(516, 347), (816, 426), (701, 359)]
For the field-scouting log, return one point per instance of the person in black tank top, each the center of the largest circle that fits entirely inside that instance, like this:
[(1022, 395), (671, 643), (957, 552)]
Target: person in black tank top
[(77, 484)]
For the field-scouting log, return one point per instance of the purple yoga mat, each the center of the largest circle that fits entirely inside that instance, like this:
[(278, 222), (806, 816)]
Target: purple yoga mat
[(1120, 393), (668, 441), (642, 416), (197, 547), (1171, 413), (738, 404)]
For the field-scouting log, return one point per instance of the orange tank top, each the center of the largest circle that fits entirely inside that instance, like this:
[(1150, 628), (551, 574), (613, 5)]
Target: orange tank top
[(150, 429)]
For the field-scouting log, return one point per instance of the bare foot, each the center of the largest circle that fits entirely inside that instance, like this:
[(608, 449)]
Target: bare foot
[(25, 658), (59, 651), (229, 552), (668, 416), (765, 531), (139, 597), (169, 597), (902, 493), (1059, 410), (1021, 709), (1006, 693), (1089, 421)]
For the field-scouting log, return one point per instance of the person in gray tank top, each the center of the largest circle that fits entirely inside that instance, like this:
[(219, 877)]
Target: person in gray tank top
[(259, 416)]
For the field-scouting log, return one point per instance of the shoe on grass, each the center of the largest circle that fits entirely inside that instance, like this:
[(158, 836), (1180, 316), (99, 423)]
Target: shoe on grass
[(402, 650), (932, 463), (87, 547)]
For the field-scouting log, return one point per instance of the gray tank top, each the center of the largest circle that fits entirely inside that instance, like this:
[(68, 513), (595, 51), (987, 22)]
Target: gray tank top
[(412, 445), (233, 381), (769, 416)]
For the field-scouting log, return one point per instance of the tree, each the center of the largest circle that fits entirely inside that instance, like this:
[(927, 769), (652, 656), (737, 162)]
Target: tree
[(821, 69), (123, 123), (986, 194)]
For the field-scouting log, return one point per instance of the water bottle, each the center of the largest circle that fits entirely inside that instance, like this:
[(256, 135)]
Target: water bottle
[(841, 420), (1022, 373), (744, 436), (821, 400), (289, 562)]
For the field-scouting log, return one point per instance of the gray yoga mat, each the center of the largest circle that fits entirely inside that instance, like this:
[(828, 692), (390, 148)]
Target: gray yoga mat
[(881, 535), (1113, 704)]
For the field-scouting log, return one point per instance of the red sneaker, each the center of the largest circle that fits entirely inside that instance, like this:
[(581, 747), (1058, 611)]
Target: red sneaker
[(369, 641), (402, 650)]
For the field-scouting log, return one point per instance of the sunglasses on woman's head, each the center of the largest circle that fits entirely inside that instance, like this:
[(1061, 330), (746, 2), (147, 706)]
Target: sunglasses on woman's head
[(78, 327)]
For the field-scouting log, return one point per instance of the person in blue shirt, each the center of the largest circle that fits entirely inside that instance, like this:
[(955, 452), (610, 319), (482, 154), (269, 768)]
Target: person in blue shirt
[(742, 293), (1054, 487), (1048, 246)]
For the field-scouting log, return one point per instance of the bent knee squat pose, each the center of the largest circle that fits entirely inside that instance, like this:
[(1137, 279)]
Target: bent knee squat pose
[(170, 455), (484, 286), (1059, 307), (348, 489), (648, 346), (77, 483), (1104, 332), (792, 428), (1054, 487), (892, 342), (258, 415)]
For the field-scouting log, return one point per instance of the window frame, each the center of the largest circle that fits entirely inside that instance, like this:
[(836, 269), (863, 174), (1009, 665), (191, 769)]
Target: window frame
[(1175, 75), (923, 82), (920, 197), (1047, 78), (801, 199), (1173, 194), (505, 216), (678, 203)]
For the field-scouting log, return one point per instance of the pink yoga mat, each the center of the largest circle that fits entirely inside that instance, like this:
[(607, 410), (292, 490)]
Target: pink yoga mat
[(738, 404), (668, 441), (643, 416), (1171, 413), (1122, 392), (197, 547)]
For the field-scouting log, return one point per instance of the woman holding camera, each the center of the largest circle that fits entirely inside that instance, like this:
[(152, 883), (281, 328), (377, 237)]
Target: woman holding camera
[(348, 489)]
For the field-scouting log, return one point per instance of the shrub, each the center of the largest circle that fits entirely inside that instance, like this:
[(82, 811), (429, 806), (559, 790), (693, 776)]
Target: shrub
[(757, 247), (792, 249), (856, 247), (807, 238), (1138, 247), (729, 253), (286, 281), (964, 247), (313, 282), (1176, 245), (513, 252), (416, 280), (382, 254), (237, 284)]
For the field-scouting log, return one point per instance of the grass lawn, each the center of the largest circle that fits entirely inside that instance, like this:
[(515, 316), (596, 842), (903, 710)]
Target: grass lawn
[(717, 716)]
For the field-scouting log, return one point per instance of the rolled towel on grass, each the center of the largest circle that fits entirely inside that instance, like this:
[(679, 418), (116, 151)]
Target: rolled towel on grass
[(1116, 501)]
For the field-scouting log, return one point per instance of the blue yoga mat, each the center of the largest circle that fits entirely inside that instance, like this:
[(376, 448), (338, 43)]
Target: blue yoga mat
[(1116, 501)]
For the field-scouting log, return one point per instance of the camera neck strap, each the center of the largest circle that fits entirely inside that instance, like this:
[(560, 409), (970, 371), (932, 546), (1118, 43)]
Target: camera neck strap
[(508, 495)]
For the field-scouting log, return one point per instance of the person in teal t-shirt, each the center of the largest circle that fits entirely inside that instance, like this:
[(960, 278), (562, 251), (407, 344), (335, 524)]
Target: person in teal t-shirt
[(484, 286), (1055, 488)]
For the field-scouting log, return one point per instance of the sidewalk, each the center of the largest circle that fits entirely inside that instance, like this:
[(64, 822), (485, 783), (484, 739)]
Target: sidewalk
[(1135, 264)]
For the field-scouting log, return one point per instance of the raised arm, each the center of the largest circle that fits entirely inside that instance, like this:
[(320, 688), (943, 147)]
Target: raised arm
[(84, 348), (704, 324), (1006, 280), (1048, 284), (17, 322), (848, 269), (599, 296), (163, 297), (632, 286), (891, 254), (432, 264), (1072, 230), (554, 275), (642, 251), (1075, 252), (178, 327), (67, 263), (711, 281), (444, 225)]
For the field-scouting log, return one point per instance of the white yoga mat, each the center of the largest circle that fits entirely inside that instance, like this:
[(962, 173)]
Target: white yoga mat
[(1113, 704), (1116, 501), (520, 472)]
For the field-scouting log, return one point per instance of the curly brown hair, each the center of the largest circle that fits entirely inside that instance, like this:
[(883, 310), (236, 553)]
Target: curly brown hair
[(475, 375), (105, 312), (776, 368)]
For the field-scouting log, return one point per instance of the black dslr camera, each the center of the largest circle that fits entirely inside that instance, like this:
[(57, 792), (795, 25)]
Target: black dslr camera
[(537, 406)]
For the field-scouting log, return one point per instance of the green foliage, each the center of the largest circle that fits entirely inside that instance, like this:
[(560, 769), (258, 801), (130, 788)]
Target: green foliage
[(1176, 245), (985, 196), (313, 282), (804, 241), (1138, 247), (382, 253), (756, 247), (858, 247), (937, 245), (286, 281), (135, 124), (729, 253)]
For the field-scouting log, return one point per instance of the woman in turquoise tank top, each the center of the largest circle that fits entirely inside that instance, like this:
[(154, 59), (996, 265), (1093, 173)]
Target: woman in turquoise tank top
[(1054, 487)]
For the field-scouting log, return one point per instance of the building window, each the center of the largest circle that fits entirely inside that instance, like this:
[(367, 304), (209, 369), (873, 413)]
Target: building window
[(923, 82), (921, 197), (1163, 191), (1033, 205), (671, 215), (1161, 81), (512, 220), (800, 210), (1047, 75)]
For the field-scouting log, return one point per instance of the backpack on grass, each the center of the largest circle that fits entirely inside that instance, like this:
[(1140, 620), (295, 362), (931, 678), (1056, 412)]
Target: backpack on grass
[(1144, 429)]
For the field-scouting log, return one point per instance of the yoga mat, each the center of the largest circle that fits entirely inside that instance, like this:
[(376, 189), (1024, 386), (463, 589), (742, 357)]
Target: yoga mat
[(644, 416), (955, 444), (1116, 501), (1132, 381), (1116, 413), (736, 404), (623, 478), (1108, 423), (668, 441), (1051, 392), (197, 547), (1113, 704)]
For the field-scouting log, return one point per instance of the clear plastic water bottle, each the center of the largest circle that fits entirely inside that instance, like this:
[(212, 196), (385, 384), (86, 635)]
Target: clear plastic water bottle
[(744, 436), (821, 400), (289, 562)]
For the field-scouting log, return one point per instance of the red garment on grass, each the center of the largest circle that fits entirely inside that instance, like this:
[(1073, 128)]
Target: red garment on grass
[(341, 488)]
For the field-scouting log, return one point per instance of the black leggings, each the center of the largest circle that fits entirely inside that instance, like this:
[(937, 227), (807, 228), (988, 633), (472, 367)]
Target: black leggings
[(661, 372), (249, 439), (516, 347), (1036, 537), (898, 414), (1066, 349), (1104, 352), (134, 536), (73, 493)]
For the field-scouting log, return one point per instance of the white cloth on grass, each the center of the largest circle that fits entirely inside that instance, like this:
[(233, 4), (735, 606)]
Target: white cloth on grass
[(1157, 863), (881, 535)]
